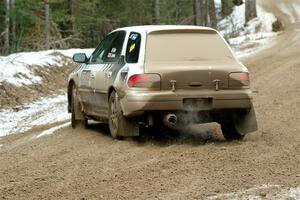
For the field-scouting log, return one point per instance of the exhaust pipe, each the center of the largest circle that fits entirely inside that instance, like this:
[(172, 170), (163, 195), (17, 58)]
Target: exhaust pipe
[(170, 120)]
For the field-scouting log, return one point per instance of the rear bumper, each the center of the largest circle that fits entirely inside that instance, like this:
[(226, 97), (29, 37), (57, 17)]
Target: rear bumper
[(135, 103)]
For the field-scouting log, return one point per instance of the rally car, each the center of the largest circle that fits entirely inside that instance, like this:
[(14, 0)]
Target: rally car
[(154, 75)]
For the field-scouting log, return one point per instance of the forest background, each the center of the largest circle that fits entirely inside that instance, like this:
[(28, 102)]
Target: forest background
[(30, 25)]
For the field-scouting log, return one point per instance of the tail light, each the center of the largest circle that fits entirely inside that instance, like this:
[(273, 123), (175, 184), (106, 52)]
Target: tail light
[(245, 76), (241, 79), (151, 81)]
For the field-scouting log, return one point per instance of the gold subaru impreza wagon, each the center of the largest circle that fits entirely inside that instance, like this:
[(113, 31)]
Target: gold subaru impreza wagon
[(166, 76)]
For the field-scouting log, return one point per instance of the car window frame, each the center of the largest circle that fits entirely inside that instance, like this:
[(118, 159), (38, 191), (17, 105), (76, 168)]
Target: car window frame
[(139, 48)]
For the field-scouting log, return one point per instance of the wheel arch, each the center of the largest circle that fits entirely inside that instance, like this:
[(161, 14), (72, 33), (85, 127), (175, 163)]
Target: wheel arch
[(110, 90)]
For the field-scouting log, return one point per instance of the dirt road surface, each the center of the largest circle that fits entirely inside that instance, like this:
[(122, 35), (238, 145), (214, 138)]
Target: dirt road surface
[(88, 164)]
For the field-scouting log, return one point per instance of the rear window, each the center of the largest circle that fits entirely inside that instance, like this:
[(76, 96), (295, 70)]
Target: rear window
[(187, 46), (133, 48)]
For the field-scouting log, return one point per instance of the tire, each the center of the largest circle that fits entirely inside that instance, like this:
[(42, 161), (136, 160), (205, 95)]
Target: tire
[(116, 120), (230, 133), (75, 105)]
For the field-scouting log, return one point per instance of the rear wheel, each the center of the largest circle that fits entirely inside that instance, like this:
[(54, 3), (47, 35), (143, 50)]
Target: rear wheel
[(118, 124), (230, 132)]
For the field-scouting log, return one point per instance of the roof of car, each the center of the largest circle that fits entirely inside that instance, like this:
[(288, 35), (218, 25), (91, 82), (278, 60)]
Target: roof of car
[(151, 28)]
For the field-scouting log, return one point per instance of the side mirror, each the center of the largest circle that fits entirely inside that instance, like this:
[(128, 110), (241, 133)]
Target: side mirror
[(80, 58)]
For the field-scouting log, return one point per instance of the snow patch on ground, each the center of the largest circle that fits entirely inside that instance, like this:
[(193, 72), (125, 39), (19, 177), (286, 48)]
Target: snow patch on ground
[(261, 192), (243, 194), (45, 111), (53, 129), (249, 39), (247, 45), (18, 68), (294, 193), (234, 24)]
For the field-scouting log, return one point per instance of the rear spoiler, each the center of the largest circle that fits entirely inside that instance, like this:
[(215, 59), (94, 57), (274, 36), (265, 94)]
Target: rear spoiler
[(207, 31)]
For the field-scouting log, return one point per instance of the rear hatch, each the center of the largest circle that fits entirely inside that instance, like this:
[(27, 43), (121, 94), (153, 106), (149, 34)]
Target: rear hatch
[(193, 58)]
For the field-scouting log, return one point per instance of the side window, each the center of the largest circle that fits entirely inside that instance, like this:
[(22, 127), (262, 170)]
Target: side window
[(133, 47), (115, 49), (102, 50), (109, 49)]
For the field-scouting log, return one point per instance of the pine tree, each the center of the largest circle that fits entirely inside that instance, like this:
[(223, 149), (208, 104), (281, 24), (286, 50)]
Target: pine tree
[(13, 25), (250, 10), (47, 24), (156, 11), (212, 14), (7, 28), (225, 6), (71, 21), (197, 13)]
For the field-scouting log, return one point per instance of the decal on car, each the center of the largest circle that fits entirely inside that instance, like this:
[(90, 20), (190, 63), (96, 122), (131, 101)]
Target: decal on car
[(111, 55), (85, 77), (113, 50), (133, 36)]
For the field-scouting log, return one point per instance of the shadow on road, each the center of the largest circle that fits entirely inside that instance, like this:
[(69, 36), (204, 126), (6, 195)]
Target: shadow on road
[(193, 135)]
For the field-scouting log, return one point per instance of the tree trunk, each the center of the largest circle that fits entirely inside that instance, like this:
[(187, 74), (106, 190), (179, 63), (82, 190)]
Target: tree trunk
[(177, 11), (71, 15), (156, 11), (250, 10), (212, 14), (47, 24), (197, 13), (13, 25), (225, 9), (207, 17), (203, 12), (7, 21)]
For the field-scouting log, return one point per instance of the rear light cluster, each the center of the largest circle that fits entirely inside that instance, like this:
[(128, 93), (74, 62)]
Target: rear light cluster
[(151, 81), (239, 79), (244, 76)]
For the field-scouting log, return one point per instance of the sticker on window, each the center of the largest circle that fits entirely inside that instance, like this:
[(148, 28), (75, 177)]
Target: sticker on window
[(113, 50), (133, 36), (111, 55), (132, 47)]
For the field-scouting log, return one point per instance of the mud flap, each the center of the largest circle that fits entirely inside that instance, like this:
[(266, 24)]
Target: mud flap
[(245, 122), (78, 109), (129, 127)]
